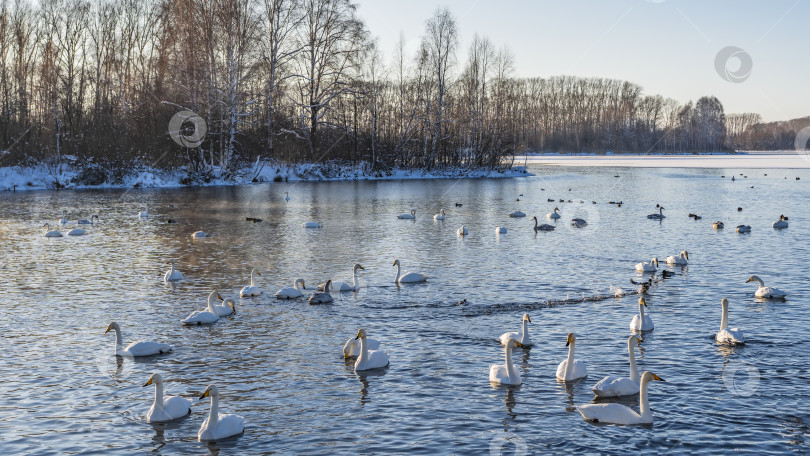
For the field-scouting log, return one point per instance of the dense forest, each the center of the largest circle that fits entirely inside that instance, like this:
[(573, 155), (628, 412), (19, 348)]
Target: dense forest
[(301, 81)]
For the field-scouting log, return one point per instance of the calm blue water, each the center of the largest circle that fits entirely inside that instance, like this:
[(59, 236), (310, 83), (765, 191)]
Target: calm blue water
[(279, 363)]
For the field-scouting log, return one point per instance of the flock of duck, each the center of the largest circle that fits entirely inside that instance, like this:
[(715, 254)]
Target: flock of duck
[(367, 354)]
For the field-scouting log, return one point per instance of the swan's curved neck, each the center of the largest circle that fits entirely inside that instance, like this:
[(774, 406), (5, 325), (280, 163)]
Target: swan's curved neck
[(641, 312), (397, 278), (213, 415), (525, 332), (252, 274), (172, 271), (158, 394), (724, 318), (633, 368), (510, 367), (210, 302), (760, 282), (569, 368), (119, 343), (295, 285), (644, 404), (363, 351), (354, 277)]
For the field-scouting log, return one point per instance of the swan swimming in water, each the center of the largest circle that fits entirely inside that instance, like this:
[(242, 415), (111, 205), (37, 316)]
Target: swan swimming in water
[(543, 227), (172, 274), (252, 289), (204, 317), (88, 222), (226, 308), (681, 260), (621, 386), (51, 233), (500, 230), (343, 286), (642, 321), (517, 214), (660, 215), (165, 408), (765, 292), (369, 359), (321, 297), (506, 374), (579, 223), (726, 336), (76, 232), (621, 414), (64, 220), (554, 215), (462, 231), (408, 277), (216, 426), (292, 292), (144, 213), (570, 368), (287, 196), (137, 348), (521, 336), (411, 216), (440, 215), (647, 267), (351, 349)]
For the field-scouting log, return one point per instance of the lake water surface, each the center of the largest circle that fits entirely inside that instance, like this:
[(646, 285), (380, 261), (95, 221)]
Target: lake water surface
[(279, 363)]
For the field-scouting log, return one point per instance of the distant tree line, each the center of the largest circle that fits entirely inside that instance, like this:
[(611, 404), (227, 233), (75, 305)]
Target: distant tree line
[(748, 132), (300, 81)]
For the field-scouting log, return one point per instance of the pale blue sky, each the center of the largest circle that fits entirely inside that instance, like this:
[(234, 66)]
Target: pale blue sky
[(666, 46)]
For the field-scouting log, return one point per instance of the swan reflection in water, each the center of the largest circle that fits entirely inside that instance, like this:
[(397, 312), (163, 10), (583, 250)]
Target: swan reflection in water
[(363, 376)]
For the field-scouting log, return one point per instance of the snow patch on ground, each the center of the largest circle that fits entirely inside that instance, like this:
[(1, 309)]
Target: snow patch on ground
[(761, 160)]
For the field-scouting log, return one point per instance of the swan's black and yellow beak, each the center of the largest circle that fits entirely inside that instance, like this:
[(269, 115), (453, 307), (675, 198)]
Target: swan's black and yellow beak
[(148, 382), (749, 279), (219, 297), (528, 319), (570, 338), (519, 344), (639, 340), (395, 263), (644, 302), (258, 273), (109, 328), (360, 267), (686, 254), (205, 394), (655, 377)]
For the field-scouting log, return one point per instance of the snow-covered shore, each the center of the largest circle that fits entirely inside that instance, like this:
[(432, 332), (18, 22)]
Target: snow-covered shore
[(788, 159), (47, 177)]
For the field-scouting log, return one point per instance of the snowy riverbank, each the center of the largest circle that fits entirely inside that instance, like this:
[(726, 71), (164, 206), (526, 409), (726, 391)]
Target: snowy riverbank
[(787, 159), (73, 177)]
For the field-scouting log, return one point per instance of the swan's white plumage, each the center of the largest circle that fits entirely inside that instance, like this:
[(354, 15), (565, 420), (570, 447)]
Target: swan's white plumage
[(322, 297), (462, 231), (521, 336), (172, 274), (343, 286), (571, 369), (252, 289), (76, 232), (660, 215), (206, 316), (411, 216), (88, 222), (765, 292), (228, 307), (647, 267), (165, 408), (51, 233), (369, 359), (726, 335), (621, 414), (517, 214), (218, 426), (440, 215), (641, 321), (681, 259), (200, 234), (408, 277), (137, 348), (291, 292), (611, 386), (500, 230), (506, 374), (554, 215), (351, 349)]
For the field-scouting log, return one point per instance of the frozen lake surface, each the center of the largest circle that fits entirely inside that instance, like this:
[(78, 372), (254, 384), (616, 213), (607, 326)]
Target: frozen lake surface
[(279, 363)]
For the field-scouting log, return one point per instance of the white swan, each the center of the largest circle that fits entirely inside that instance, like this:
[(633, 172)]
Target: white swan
[(621, 414), (291, 292), (521, 336), (204, 317), (226, 308), (570, 368), (51, 233), (765, 292), (343, 286), (726, 336), (200, 234), (172, 274), (462, 231), (647, 267), (621, 386), (351, 349), (286, 196), (408, 277), (369, 359), (554, 215), (517, 214), (500, 230), (312, 225), (579, 223), (64, 220), (743, 228), (76, 232), (321, 297), (506, 374), (252, 289), (440, 215), (543, 227), (88, 222), (216, 426), (781, 223), (411, 216), (137, 348), (144, 213), (642, 321), (681, 259), (660, 215), (165, 408)]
